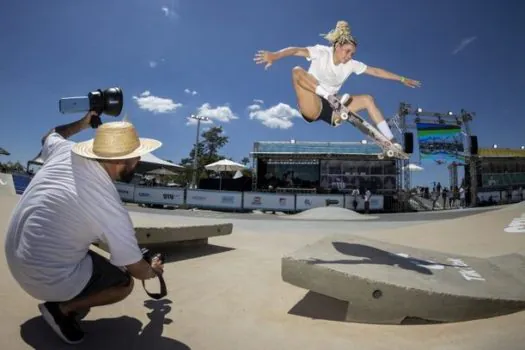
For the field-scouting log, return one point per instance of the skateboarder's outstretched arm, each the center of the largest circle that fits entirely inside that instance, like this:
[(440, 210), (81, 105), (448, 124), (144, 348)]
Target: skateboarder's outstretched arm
[(269, 57), (384, 74)]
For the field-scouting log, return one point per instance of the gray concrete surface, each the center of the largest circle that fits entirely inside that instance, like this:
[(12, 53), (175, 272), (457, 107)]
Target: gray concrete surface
[(391, 283), (230, 295)]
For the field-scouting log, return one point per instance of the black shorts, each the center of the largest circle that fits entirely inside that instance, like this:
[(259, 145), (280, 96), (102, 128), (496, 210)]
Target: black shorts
[(325, 114), (105, 275)]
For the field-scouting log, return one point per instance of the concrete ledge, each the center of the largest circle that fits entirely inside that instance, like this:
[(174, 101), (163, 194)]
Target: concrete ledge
[(183, 235), (7, 187), (390, 284)]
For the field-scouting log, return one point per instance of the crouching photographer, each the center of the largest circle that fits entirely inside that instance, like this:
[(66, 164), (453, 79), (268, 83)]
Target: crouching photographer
[(71, 203)]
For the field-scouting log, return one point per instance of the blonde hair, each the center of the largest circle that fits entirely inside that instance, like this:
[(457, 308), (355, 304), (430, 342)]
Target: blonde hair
[(341, 34)]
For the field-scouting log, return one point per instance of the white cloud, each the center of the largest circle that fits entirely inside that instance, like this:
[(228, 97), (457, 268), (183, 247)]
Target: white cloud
[(152, 64), (156, 104), (464, 43), (276, 117), (254, 107), (169, 12), (222, 114), (191, 92), (258, 101)]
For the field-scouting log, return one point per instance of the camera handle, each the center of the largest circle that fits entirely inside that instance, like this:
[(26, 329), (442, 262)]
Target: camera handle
[(163, 289), (95, 121)]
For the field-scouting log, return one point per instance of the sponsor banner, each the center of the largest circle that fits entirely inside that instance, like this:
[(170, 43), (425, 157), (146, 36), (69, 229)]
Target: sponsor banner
[(376, 202), (308, 201), (126, 191), (159, 195), (214, 199), (268, 201)]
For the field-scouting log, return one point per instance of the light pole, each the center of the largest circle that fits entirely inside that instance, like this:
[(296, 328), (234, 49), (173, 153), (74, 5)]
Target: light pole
[(196, 155)]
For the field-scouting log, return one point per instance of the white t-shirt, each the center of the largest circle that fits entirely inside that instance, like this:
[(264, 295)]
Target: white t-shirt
[(330, 76), (70, 203)]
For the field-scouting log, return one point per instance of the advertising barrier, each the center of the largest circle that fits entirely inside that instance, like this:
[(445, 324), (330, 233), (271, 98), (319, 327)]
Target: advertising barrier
[(159, 195), (269, 201), (309, 201), (126, 191), (287, 202), (214, 199)]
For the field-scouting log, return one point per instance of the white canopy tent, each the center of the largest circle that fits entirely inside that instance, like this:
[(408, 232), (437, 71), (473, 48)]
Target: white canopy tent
[(224, 165), (150, 158)]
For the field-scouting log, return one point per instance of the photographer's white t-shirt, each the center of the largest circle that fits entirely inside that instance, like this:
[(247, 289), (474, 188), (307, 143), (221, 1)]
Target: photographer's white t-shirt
[(70, 203), (330, 76)]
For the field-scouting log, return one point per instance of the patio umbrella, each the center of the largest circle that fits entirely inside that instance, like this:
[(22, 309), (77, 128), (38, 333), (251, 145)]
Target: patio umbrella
[(224, 165)]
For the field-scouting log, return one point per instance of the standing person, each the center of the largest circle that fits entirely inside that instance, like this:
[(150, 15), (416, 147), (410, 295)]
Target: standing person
[(355, 194), (71, 203), (317, 88), (462, 197), (368, 195)]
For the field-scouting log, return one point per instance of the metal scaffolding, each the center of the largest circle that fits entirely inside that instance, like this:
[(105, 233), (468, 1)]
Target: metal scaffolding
[(418, 115)]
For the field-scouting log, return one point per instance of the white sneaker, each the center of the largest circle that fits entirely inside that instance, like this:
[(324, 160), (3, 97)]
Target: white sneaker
[(345, 98), (398, 146)]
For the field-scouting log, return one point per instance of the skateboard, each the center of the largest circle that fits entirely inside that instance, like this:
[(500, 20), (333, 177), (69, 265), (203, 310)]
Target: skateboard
[(365, 127)]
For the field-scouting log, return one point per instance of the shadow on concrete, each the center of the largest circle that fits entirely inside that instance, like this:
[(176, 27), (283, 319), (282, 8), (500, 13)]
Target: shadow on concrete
[(376, 256), (111, 333), (320, 307)]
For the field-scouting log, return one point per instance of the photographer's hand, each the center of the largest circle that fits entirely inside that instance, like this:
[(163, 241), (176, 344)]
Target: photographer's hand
[(157, 265), (92, 119)]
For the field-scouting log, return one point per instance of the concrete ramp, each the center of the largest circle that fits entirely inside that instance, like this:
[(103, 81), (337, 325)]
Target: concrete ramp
[(7, 186), (387, 283), (163, 231)]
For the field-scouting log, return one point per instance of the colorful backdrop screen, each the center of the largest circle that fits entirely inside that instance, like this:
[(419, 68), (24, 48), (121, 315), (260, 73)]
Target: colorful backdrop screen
[(440, 143)]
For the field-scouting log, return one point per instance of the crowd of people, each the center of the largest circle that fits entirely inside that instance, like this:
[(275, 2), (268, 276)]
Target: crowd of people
[(448, 198)]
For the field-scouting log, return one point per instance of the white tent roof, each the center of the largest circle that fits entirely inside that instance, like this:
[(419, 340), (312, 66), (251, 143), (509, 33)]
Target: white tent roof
[(147, 158), (152, 159)]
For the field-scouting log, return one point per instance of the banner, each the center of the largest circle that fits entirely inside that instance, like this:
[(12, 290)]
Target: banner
[(440, 143), (309, 201), (269, 201), (159, 195), (126, 191), (214, 199)]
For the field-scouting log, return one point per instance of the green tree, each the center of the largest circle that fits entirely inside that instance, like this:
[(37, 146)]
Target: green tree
[(208, 150)]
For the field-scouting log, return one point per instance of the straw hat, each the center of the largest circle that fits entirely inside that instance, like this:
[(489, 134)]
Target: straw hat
[(116, 140)]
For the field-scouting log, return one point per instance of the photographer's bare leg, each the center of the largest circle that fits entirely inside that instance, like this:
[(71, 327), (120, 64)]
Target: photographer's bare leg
[(105, 297)]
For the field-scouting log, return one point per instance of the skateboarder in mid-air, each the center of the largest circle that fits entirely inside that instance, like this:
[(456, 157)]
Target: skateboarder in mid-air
[(330, 67)]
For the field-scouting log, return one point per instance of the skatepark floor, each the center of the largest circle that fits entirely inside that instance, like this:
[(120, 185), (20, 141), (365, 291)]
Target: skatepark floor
[(230, 295)]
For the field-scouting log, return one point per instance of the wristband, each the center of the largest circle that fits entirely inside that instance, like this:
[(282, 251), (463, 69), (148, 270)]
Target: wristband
[(403, 79)]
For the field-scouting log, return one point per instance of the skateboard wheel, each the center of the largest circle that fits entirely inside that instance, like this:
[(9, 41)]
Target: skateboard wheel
[(381, 156), (344, 116), (390, 153)]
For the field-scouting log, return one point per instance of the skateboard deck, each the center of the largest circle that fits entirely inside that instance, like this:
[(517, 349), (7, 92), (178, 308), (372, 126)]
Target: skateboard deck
[(375, 135)]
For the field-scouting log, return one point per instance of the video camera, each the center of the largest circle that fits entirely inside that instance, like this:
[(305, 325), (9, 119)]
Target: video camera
[(110, 101)]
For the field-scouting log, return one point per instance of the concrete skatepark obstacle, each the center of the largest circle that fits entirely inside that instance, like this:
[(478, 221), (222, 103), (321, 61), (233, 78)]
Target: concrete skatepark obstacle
[(163, 236), (156, 232), (7, 187), (388, 283)]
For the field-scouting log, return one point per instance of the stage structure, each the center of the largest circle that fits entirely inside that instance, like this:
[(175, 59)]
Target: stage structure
[(324, 168), (440, 137)]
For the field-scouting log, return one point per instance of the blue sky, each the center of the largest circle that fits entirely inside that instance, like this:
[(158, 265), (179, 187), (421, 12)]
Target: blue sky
[(164, 49)]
